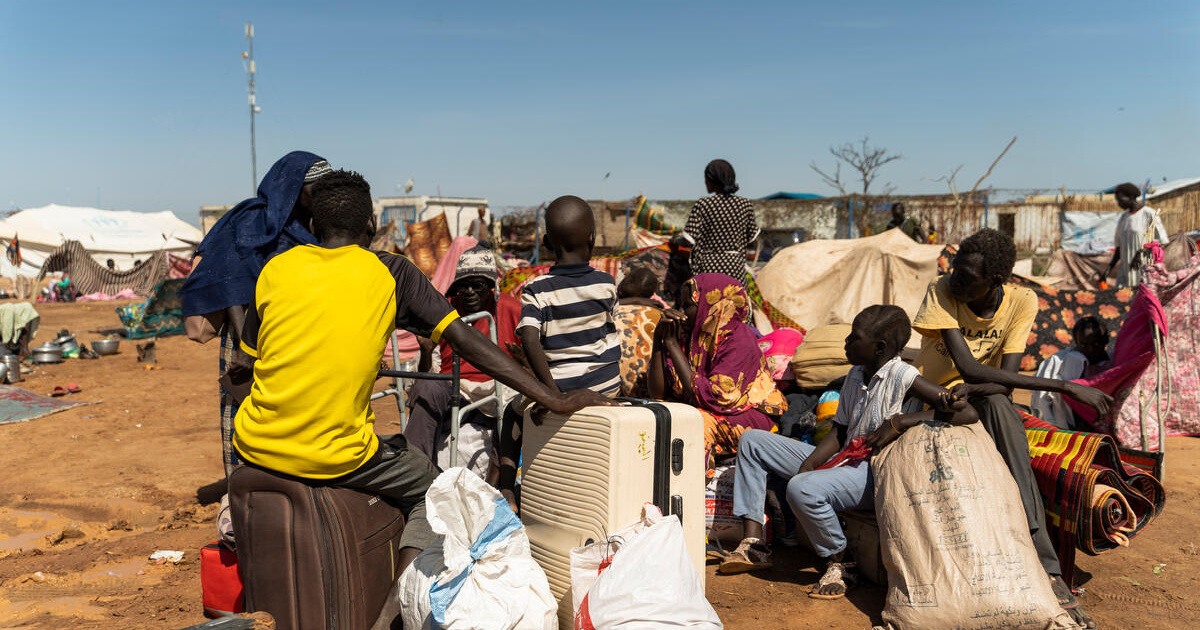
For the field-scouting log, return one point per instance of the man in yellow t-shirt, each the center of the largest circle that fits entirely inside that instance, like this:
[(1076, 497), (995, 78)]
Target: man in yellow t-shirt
[(322, 316), (974, 330)]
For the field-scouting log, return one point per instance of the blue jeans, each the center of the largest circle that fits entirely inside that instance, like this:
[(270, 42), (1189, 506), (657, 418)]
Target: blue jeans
[(815, 497)]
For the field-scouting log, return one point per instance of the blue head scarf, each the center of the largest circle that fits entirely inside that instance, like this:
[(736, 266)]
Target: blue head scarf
[(236, 248)]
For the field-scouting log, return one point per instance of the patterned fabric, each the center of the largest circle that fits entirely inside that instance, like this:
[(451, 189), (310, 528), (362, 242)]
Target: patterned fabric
[(729, 373), (178, 266), (1058, 310), (1140, 333), (635, 326), (719, 229), (159, 316), (1168, 387), (89, 276), (776, 316), (319, 169), (478, 261), (651, 219), (229, 455), (428, 242), (1094, 501), (721, 435), (778, 348)]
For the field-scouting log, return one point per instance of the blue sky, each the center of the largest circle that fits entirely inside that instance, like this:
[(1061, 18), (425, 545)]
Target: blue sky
[(144, 104)]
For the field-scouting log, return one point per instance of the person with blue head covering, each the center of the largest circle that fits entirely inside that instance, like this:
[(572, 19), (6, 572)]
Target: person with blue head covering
[(228, 261)]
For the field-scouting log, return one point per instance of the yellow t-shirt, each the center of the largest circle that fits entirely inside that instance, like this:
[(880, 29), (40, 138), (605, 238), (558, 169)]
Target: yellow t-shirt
[(320, 322), (989, 339)]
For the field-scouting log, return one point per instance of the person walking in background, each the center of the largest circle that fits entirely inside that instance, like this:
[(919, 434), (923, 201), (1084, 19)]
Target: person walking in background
[(720, 227), (907, 224), (1138, 226)]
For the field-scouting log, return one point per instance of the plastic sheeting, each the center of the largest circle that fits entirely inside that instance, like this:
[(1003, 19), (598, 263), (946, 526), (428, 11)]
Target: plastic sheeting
[(1088, 232)]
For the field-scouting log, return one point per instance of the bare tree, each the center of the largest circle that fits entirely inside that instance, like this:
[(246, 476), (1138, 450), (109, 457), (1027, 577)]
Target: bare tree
[(864, 159), (952, 183)]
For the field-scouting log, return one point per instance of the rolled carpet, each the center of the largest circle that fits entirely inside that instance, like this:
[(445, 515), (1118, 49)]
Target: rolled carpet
[(1095, 501)]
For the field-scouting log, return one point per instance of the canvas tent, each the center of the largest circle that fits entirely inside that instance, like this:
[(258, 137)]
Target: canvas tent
[(829, 281), (120, 235)]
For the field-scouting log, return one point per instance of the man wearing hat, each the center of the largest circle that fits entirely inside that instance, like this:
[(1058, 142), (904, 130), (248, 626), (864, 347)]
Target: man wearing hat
[(428, 429)]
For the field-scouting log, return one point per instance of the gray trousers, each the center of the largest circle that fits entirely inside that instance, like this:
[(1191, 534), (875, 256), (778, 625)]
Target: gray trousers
[(400, 475), (1001, 420)]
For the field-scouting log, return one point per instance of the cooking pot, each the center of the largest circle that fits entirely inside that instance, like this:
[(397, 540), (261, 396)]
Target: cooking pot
[(67, 343), (13, 363), (48, 353)]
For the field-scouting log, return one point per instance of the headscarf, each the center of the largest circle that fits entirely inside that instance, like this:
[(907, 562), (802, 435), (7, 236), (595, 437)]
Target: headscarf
[(729, 374), (235, 250), (721, 174)]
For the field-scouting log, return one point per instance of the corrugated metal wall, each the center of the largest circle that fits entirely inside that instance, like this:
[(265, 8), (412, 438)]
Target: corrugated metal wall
[(1180, 209)]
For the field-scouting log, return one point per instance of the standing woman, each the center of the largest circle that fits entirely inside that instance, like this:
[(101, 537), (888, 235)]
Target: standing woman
[(722, 226), (221, 285)]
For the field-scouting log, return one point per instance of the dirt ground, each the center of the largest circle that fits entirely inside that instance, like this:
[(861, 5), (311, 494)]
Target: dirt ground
[(91, 492)]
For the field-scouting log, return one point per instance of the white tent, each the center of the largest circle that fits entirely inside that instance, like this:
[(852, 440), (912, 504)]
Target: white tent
[(120, 235)]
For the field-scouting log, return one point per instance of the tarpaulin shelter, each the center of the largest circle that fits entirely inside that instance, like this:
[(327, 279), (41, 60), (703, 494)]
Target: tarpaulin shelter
[(122, 236), (829, 281)]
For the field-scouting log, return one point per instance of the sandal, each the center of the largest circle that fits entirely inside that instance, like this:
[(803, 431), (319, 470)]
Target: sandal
[(1068, 602), (72, 388), (59, 391), (835, 573)]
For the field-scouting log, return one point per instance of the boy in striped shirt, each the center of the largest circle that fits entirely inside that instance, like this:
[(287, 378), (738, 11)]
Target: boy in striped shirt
[(567, 326)]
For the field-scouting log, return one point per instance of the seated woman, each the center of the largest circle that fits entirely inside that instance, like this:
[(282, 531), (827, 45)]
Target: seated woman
[(722, 373), (835, 475)]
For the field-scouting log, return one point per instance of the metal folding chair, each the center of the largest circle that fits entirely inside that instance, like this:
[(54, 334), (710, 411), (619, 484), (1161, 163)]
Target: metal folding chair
[(457, 409)]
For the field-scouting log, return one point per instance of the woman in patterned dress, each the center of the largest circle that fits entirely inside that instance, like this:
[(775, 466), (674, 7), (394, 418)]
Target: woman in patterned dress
[(720, 227)]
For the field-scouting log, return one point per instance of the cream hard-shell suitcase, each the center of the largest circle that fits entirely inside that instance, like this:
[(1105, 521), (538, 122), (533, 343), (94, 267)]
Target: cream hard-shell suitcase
[(588, 475)]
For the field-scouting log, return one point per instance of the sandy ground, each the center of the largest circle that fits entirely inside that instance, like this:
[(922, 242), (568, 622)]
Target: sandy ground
[(91, 492)]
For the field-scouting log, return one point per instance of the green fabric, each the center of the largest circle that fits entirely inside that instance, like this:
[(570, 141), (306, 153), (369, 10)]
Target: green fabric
[(14, 317), (159, 316)]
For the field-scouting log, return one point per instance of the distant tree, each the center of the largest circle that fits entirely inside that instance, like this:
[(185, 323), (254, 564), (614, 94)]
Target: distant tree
[(960, 200), (864, 159)]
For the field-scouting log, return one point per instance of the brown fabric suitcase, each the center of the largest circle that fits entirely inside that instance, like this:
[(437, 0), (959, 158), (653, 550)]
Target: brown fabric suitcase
[(313, 556)]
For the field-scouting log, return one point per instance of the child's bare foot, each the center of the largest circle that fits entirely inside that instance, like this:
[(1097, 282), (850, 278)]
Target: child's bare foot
[(835, 582)]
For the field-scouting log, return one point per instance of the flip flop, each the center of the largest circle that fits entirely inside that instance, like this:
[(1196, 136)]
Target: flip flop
[(73, 388), (59, 391)]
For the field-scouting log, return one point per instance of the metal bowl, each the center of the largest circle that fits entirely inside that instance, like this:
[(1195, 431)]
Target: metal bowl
[(47, 353), (106, 346)]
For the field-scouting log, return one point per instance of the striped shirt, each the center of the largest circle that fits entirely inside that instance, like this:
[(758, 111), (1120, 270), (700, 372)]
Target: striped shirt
[(572, 306)]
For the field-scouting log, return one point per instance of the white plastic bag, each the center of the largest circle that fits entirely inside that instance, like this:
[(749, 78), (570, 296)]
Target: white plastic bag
[(641, 578), (479, 575)]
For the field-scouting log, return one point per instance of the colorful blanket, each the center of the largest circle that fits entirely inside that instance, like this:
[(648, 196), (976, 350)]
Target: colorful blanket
[(1058, 310), (160, 315), (1095, 501)]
